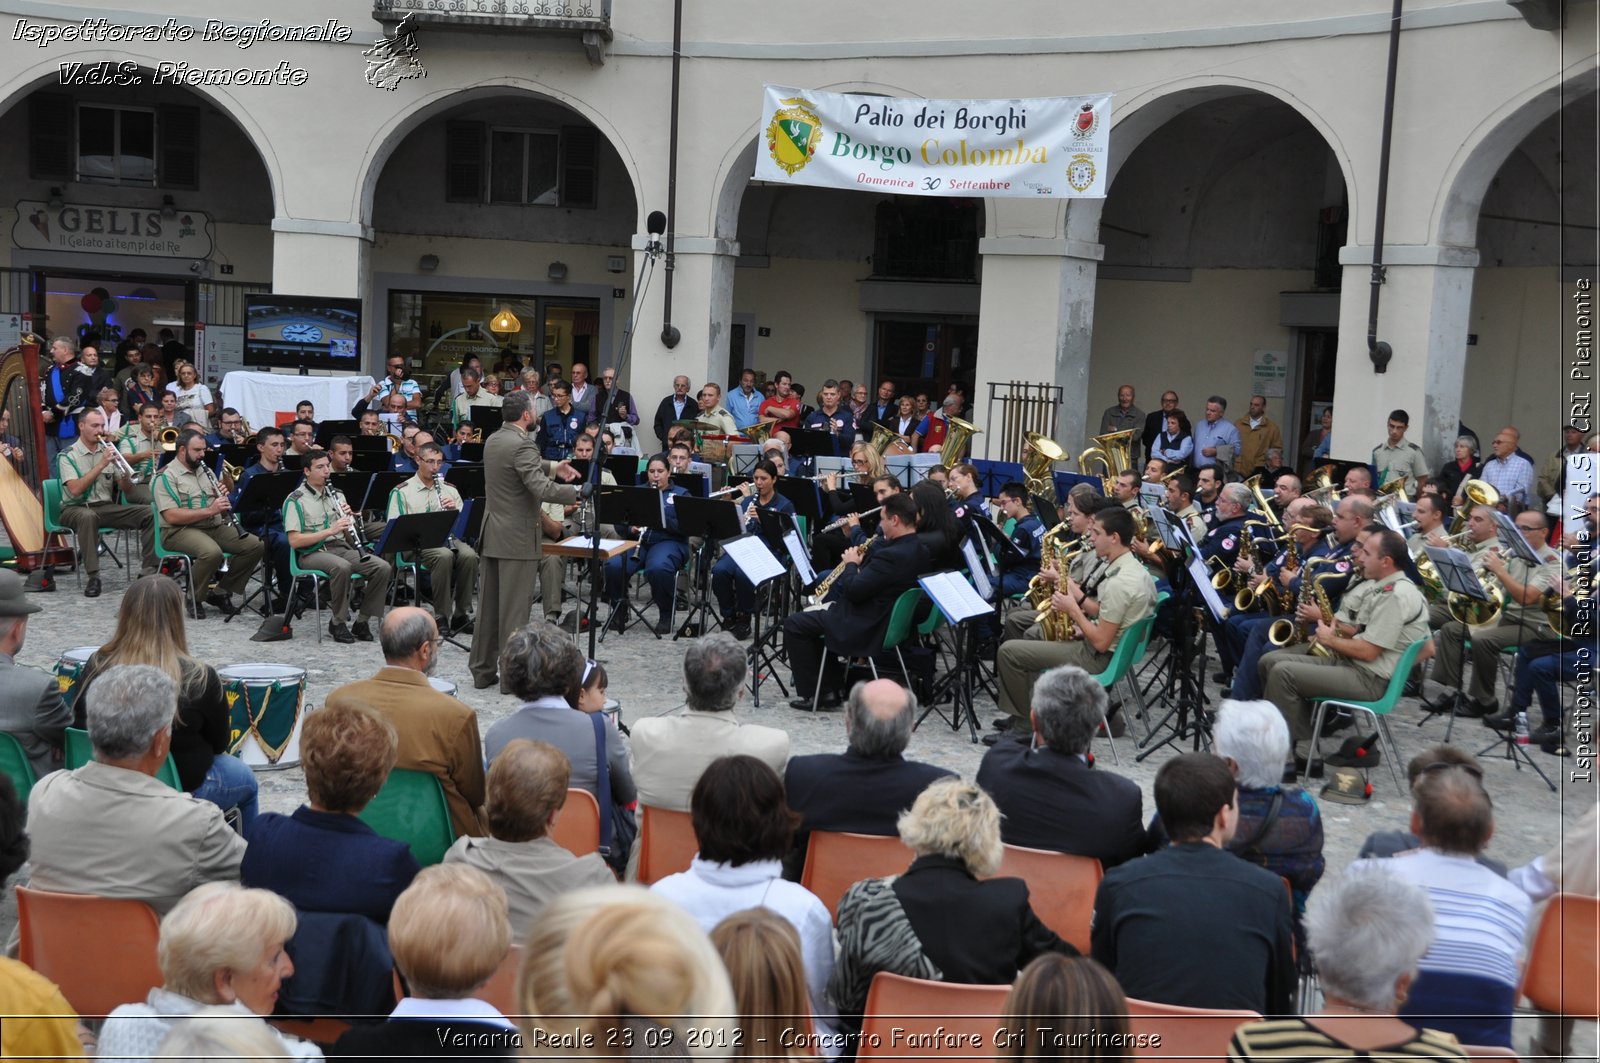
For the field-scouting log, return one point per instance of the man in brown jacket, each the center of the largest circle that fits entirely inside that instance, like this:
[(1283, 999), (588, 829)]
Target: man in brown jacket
[(438, 733), (515, 487)]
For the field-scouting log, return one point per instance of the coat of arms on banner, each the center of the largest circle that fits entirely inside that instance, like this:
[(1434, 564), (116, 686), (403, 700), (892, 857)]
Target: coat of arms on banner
[(1080, 171), (1085, 122), (793, 135)]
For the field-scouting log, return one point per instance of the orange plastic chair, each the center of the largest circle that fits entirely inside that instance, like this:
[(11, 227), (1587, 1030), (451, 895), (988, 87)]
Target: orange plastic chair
[(1563, 972), (836, 860), (1192, 1035), (577, 828), (903, 1014), (666, 843), (100, 951), (1061, 888)]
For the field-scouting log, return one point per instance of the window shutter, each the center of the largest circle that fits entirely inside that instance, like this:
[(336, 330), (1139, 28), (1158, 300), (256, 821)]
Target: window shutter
[(463, 161), (178, 147), (52, 133), (580, 150)]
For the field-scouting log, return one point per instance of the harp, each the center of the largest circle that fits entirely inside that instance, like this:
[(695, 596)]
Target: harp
[(20, 509)]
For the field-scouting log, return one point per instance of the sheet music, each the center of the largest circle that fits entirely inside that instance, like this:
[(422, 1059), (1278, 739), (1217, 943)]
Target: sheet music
[(1455, 571), (758, 563), (1152, 496), (800, 557), (587, 542), (1202, 579), (979, 570), (954, 596), (1511, 539)]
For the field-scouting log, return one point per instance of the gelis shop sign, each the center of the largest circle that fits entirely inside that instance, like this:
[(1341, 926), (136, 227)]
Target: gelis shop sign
[(108, 230), (1053, 147)]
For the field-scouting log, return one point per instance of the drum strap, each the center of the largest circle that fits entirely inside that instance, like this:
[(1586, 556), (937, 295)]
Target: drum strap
[(602, 776), (255, 718)]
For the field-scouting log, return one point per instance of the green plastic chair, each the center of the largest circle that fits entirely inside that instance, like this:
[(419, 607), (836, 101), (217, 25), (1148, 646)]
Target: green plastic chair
[(163, 555), (53, 525), (411, 808), (1130, 647), (1379, 710), (898, 630), (15, 763), (296, 574), (80, 752)]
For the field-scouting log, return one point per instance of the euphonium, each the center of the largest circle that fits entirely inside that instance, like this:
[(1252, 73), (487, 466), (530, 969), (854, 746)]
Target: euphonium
[(1476, 612), (1114, 451), (1267, 512), (883, 437), (1476, 493), (955, 442), (761, 431), (1042, 453)]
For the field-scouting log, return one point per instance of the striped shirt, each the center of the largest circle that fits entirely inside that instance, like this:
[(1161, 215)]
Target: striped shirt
[(1296, 1039)]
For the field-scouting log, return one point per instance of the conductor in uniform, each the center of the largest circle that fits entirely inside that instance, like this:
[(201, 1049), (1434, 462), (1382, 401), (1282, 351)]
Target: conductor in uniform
[(515, 486)]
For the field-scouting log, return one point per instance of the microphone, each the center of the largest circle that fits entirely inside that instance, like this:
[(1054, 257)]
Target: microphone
[(655, 224)]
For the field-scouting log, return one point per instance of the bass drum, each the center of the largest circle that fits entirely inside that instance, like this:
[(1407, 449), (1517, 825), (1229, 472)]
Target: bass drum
[(266, 707), (69, 670)]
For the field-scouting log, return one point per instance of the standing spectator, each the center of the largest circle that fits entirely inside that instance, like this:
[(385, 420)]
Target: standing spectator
[(99, 377), (614, 405), (64, 397), (674, 407), (784, 406), (31, 709), (744, 401), (193, 397), (1214, 431), (929, 435), (1314, 449), (583, 392), (1123, 417), (1174, 444), (1553, 473), (1463, 466), (473, 393), (398, 381), (1146, 930), (1397, 457), (858, 407), (1156, 421), (883, 408), (1508, 472), (141, 389), (1258, 434)]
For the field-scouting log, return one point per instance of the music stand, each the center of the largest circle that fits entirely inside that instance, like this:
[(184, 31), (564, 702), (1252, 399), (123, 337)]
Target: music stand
[(326, 430), (633, 507), (239, 455), (760, 566), (624, 469), (802, 491), (711, 520), (469, 451), (370, 444), (808, 443), (487, 419), (413, 533), (962, 606), (1184, 695), (692, 482), (264, 495), (467, 479), (382, 485), (351, 483)]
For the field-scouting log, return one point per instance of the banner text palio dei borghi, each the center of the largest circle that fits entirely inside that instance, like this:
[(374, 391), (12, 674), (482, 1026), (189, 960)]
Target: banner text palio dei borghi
[(1053, 147)]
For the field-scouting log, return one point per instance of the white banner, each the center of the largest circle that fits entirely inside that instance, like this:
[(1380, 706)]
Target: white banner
[(1053, 147)]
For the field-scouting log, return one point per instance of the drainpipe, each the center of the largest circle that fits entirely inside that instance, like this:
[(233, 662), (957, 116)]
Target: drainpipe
[(1377, 350), (669, 332)]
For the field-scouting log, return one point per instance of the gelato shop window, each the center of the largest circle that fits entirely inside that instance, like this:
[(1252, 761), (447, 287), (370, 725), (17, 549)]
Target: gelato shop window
[(436, 331)]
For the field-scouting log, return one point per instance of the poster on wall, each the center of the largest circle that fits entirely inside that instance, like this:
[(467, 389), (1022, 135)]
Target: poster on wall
[(1053, 147), (221, 350), (1270, 375), (10, 330)]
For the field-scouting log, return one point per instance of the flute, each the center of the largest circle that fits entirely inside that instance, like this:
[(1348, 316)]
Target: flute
[(729, 490), (842, 521)]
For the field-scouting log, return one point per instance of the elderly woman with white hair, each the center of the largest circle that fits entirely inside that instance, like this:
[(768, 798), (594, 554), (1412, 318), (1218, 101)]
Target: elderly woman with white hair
[(221, 945), (1368, 930), (943, 918)]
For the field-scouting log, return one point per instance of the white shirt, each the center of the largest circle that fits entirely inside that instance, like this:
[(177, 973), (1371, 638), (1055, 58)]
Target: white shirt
[(469, 1009), (134, 1032), (195, 398)]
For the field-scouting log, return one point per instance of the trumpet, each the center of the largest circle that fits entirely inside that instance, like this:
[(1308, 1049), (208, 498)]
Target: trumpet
[(842, 521), (118, 459)]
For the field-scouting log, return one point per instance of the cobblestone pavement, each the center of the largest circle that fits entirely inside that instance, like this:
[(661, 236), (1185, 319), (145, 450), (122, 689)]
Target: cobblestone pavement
[(646, 679)]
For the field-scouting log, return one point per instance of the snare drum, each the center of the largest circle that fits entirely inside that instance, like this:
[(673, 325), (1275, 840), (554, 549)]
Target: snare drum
[(69, 670), (266, 706), (443, 686)]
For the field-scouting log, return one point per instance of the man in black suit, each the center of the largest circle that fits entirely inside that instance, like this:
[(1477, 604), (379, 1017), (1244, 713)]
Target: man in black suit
[(859, 602), (864, 789), (1050, 793), (881, 410), (1155, 421), (674, 407)]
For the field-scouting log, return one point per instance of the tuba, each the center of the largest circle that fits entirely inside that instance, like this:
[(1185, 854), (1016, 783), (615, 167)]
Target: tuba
[(1042, 453), (761, 431), (1326, 492), (1114, 451), (1476, 493), (883, 437), (956, 438), (1271, 515)]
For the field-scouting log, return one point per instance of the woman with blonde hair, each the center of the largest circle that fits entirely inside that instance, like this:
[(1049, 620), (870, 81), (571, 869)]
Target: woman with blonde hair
[(943, 918), (150, 631), (761, 952), (221, 945), (616, 970), (1066, 1007)]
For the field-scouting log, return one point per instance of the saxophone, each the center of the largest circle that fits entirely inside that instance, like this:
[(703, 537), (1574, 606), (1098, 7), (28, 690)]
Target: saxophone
[(821, 590), (1054, 626), (1317, 649), (1040, 589), (1286, 630)]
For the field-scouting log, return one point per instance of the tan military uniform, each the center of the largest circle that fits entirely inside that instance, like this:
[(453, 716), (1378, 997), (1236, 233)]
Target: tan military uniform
[(1126, 594), (306, 510), (1517, 624), (449, 567), (1389, 613), (1197, 522), (131, 441), (97, 508), (1405, 460), (207, 542)]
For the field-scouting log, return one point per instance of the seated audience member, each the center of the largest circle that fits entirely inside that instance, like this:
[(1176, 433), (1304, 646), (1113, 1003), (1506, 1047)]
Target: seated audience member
[(31, 709), (1568, 868), (864, 789), (527, 786), (1385, 843), (448, 934), (744, 828), (438, 733), (150, 630), (540, 665), (218, 1033), (323, 858), (1064, 1000), (1190, 924), (1050, 795), (1468, 978), (221, 944), (615, 964), (670, 751), (1367, 932), (110, 828), (39, 1021), (942, 918), (761, 951)]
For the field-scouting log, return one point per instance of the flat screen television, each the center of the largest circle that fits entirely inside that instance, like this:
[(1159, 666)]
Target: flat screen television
[(302, 331)]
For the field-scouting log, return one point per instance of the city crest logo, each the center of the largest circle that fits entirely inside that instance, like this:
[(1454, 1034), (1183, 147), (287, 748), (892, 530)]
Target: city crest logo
[(1080, 171), (1085, 122), (793, 136)]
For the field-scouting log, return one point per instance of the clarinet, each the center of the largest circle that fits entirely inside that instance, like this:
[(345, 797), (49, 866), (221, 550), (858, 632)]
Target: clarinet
[(438, 496), (216, 490), (352, 540)]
